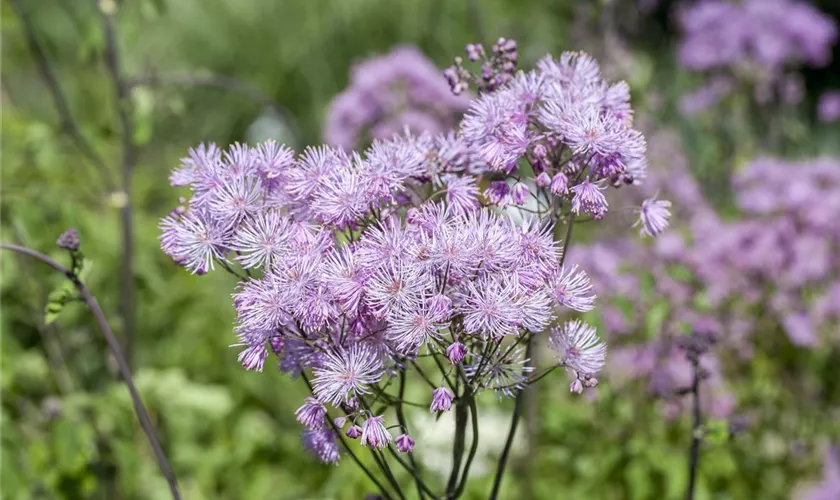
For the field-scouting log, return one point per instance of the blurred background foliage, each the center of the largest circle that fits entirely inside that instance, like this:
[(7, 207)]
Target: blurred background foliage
[(247, 70)]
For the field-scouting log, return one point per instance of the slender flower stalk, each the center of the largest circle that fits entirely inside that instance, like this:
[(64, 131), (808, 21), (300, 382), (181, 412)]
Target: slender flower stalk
[(69, 242)]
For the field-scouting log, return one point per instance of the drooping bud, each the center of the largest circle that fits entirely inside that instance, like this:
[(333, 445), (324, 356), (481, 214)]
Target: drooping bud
[(441, 400), (404, 443), (456, 352)]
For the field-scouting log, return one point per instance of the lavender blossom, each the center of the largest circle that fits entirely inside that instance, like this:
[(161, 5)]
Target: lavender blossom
[(578, 348), (404, 442), (386, 93), (828, 107), (589, 199), (346, 373), (572, 288), (653, 217), (312, 414), (374, 433), (441, 400), (321, 444), (456, 352)]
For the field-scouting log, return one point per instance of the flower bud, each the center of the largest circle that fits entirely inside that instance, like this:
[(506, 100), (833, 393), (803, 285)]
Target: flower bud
[(456, 352), (404, 443), (441, 400)]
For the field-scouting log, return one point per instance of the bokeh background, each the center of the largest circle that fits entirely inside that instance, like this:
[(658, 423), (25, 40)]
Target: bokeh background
[(248, 70)]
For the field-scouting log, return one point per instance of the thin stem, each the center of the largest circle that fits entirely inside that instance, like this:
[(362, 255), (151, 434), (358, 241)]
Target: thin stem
[(68, 124), (423, 375), (696, 431), (517, 413), (443, 372), (404, 423), (458, 446), (473, 447), (230, 270), (386, 469), (116, 351), (568, 237), (411, 469), (380, 458), (129, 161), (349, 451)]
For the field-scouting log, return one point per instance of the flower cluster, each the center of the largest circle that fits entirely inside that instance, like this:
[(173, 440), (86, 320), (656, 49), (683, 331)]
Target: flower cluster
[(387, 93), (757, 39), (559, 133), (354, 274), (774, 268)]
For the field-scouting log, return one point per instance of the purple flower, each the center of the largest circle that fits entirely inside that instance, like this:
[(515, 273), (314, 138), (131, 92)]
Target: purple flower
[(342, 197), (519, 193), (503, 371), (559, 184), (828, 107), (69, 240), (543, 180), (237, 198), (589, 199), (346, 373), (312, 414), (578, 347), (829, 487), (374, 433), (440, 307), (201, 159), (347, 278), (340, 422), (411, 329), (397, 287), (321, 444), (262, 239), (261, 305), (353, 432), (386, 93), (491, 127), (253, 357), (404, 443), (572, 289), (441, 400), (312, 169), (498, 193), (193, 241), (490, 308), (461, 194), (456, 352), (653, 216)]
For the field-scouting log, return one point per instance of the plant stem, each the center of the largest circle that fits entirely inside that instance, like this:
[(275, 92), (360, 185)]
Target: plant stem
[(404, 423), (696, 436), (68, 124), (386, 469), (458, 446), (116, 351), (520, 396), (473, 446), (129, 160), (517, 413)]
